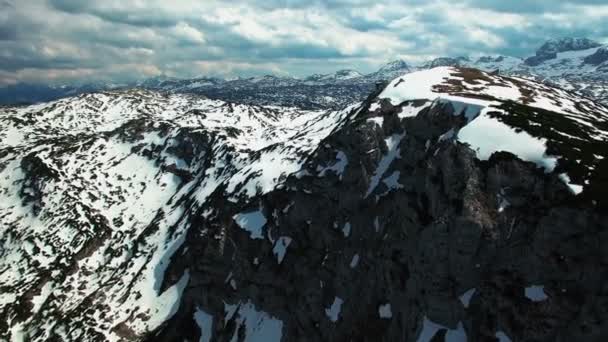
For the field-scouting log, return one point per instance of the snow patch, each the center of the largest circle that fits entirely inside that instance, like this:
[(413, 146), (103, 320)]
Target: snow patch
[(410, 111), (280, 248), (430, 328), (536, 293), (253, 222), (337, 167), (503, 203), (393, 153), (385, 311), (333, 312), (354, 261), (259, 325), (420, 86), (378, 120), (392, 181), (574, 188), (346, 229), (465, 299), (502, 337), (205, 324), (168, 303), (402, 89), (488, 135), (40, 299)]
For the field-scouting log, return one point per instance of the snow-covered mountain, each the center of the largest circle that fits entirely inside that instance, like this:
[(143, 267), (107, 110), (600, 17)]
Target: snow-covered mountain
[(390, 70), (551, 48), (575, 64), (445, 61), (99, 192), (451, 203), (340, 75)]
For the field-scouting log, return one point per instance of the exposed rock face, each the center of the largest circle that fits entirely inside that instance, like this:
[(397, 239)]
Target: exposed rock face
[(599, 57), (567, 44), (551, 48), (389, 71), (389, 228), (448, 61), (490, 59), (438, 225)]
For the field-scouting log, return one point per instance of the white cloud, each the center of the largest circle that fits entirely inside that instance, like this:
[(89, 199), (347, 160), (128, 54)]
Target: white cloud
[(484, 37), (183, 30)]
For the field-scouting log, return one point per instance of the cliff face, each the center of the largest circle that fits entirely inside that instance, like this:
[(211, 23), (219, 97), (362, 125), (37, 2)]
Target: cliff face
[(395, 219), (396, 231)]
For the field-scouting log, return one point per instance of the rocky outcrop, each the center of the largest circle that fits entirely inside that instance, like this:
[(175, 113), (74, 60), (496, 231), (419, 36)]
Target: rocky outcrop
[(444, 245), (567, 44), (448, 61), (599, 57), (551, 48)]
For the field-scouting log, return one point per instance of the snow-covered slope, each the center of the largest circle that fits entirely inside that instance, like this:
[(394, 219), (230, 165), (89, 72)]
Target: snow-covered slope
[(580, 65), (96, 194), (445, 61), (510, 114), (340, 75), (552, 47), (390, 70)]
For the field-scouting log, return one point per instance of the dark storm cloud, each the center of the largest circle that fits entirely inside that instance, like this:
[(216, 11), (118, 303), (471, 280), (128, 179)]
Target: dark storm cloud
[(56, 40), (8, 32), (141, 17), (7, 28)]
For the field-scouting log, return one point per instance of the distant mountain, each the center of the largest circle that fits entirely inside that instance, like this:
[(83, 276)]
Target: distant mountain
[(577, 64), (340, 75), (551, 48), (491, 63), (25, 93), (445, 61), (177, 85), (390, 70)]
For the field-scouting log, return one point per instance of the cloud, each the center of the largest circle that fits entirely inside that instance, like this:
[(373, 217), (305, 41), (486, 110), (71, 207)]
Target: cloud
[(121, 40), (188, 33)]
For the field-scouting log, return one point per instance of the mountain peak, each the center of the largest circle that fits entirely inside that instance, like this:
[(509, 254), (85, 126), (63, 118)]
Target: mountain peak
[(347, 74), (340, 75), (552, 47), (567, 44), (398, 64), (390, 70), (599, 57), (504, 104), (446, 61)]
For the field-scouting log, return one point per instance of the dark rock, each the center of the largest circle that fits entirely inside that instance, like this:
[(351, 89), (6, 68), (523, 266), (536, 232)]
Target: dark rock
[(599, 57)]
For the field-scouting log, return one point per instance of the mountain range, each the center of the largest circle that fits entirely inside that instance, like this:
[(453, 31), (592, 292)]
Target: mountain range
[(578, 64), (450, 204)]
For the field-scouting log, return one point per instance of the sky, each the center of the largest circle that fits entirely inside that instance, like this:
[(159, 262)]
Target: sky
[(54, 41)]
